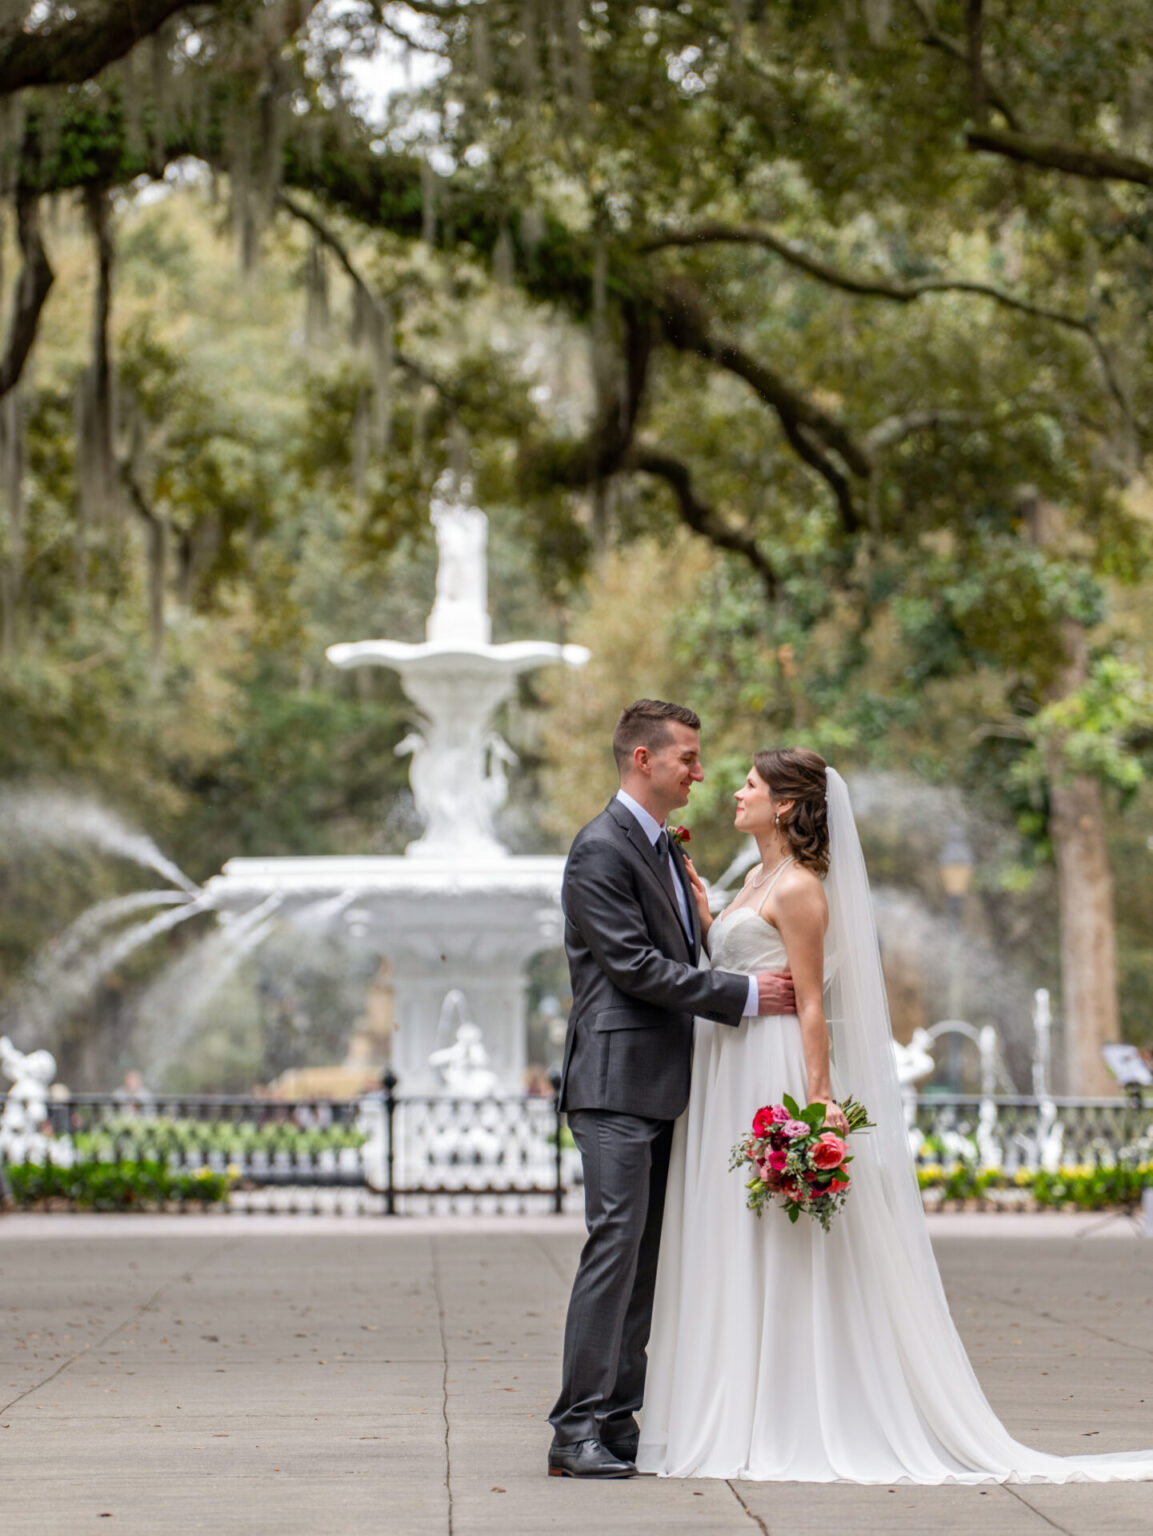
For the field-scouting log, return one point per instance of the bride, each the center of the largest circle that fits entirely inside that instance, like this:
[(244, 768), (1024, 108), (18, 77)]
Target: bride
[(779, 1351)]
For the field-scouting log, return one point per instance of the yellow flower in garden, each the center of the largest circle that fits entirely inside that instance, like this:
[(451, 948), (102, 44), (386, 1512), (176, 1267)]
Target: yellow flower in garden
[(233, 1170)]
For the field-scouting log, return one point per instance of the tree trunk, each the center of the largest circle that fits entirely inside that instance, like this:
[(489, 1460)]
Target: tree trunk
[(156, 544), (12, 526), (1088, 944), (1089, 1007), (98, 465), (32, 288)]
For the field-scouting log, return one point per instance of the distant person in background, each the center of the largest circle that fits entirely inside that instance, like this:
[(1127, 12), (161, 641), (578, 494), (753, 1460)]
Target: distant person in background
[(134, 1098), (537, 1083)]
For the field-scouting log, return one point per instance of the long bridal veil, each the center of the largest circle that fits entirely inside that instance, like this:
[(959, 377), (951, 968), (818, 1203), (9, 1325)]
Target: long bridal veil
[(948, 1396)]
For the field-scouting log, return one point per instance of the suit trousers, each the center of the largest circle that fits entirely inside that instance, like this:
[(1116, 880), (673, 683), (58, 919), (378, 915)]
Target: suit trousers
[(626, 1166)]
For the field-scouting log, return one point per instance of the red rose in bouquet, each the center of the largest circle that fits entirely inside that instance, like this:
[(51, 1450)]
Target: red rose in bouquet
[(828, 1151)]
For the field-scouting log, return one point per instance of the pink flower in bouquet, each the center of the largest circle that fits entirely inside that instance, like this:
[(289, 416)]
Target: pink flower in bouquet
[(794, 1128), (780, 1113), (836, 1185), (828, 1151), (777, 1160)]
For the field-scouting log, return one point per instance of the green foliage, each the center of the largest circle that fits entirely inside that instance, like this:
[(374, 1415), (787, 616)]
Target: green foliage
[(992, 601), (1097, 728)]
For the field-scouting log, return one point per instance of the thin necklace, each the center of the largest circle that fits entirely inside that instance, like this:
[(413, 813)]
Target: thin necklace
[(756, 884)]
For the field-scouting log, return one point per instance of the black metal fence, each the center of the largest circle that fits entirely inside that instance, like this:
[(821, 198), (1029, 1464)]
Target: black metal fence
[(399, 1155), (381, 1154), (1027, 1132)]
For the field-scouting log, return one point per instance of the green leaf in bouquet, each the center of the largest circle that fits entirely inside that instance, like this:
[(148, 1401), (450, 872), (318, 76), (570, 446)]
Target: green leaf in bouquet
[(792, 1106), (794, 1213), (813, 1115)]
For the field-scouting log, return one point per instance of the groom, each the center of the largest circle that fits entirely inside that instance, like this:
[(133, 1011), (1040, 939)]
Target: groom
[(633, 939)]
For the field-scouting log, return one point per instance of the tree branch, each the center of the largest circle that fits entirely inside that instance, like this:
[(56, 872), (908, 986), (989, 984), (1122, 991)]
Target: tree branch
[(699, 516), (36, 278), (953, 48), (979, 95), (1055, 155), (895, 429), (79, 47), (812, 432), (886, 288)]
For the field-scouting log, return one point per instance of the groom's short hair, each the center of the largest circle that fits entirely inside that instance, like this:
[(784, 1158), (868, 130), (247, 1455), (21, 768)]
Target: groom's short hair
[(646, 724)]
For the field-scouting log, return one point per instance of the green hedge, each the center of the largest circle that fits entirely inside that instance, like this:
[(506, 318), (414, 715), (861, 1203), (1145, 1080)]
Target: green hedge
[(125, 1186)]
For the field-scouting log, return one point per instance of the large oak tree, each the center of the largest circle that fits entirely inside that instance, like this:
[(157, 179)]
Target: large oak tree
[(864, 288)]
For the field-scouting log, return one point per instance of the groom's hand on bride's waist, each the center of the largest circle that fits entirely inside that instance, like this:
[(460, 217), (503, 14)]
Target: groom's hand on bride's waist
[(775, 992)]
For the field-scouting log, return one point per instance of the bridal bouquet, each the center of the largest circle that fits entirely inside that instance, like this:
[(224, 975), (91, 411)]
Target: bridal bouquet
[(795, 1160)]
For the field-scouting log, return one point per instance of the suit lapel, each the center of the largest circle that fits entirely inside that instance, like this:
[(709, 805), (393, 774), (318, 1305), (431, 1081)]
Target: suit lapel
[(635, 833)]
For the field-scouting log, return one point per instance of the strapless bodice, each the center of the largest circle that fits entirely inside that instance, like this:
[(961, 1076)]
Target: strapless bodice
[(741, 940)]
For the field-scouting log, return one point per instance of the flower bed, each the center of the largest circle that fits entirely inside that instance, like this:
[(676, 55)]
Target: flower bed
[(1082, 1186), (119, 1186)]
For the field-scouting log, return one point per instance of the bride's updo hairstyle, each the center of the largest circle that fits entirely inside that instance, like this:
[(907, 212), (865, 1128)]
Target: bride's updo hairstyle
[(795, 773)]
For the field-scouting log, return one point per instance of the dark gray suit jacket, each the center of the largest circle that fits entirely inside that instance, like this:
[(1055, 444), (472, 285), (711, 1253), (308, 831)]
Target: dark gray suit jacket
[(636, 986)]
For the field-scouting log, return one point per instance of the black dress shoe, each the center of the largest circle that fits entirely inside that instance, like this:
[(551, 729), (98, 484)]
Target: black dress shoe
[(587, 1458)]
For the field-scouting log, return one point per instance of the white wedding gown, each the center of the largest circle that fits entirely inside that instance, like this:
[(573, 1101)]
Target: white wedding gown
[(780, 1351)]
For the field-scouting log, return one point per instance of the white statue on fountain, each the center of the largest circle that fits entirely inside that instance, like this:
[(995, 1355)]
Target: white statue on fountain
[(460, 611), (458, 679), (23, 1138), (464, 1066), (914, 1061)]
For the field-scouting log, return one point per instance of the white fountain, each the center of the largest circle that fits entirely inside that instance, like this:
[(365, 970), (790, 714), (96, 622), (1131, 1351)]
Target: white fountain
[(458, 911)]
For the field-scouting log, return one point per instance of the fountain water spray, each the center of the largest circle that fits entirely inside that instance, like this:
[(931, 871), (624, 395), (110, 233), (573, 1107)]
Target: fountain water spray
[(47, 818), (183, 991), (40, 1008), (90, 925)]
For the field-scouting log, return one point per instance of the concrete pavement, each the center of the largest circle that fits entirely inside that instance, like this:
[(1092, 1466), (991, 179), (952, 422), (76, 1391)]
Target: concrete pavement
[(248, 1375)]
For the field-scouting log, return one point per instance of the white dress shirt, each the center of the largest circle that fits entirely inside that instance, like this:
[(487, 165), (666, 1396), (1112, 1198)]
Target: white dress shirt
[(652, 830)]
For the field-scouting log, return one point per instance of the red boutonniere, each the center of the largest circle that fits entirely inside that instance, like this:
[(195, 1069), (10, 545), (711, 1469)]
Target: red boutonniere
[(681, 835)]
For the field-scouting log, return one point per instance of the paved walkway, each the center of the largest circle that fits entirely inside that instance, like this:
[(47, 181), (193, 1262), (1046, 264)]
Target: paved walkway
[(240, 1375)]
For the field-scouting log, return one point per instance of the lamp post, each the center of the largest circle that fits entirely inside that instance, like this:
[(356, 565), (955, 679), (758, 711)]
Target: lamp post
[(956, 866)]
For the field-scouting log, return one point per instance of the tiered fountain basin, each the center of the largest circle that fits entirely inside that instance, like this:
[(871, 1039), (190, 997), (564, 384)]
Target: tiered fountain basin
[(464, 922)]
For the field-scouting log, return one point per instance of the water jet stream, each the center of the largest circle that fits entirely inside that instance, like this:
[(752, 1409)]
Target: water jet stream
[(185, 989), (40, 818)]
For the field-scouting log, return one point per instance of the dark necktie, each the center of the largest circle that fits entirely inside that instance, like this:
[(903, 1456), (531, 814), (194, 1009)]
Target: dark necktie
[(662, 847)]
